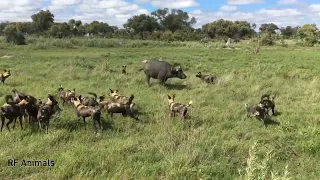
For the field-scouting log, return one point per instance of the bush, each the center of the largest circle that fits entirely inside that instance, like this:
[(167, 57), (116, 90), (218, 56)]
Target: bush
[(266, 39), (167, 36), (13, 35)]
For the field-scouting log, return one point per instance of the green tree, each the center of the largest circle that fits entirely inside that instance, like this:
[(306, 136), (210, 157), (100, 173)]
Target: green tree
[(142, 23), (174, 20), (98, 28), (287, 32), (13, 35), (226, 28), (308, 33), (43, 20), (78, 23), (60, 30), (269, 28)]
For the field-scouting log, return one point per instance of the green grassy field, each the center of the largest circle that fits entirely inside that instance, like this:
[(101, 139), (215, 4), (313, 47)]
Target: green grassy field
[(218, 142)]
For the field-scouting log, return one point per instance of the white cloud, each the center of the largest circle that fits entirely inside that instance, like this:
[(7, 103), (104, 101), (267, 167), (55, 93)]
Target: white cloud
[(288, 2), (228, 8), (315, 7), (244, 2), (279, 13), (174, 4), (169, 3), (19, 10)]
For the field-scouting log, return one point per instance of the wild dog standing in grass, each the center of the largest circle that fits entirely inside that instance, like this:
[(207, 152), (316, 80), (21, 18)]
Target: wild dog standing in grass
[(4, 75), (115, 97), (124, 69), (268, 102), (89, 101), (87, 111), (207, 78), (46, 111), (178, 107), (12, 111), (30, 99), (257, 111), (65, 95), (118, 107)]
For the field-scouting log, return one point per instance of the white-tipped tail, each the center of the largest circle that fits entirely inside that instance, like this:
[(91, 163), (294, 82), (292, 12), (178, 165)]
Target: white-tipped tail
[(144, 61), (190, 102), (246, 105)]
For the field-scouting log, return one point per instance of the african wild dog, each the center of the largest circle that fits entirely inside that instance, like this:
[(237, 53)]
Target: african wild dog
[(65, 95), (87, 111), (4, 75), (178, 107), (207, 78), (46, 111)]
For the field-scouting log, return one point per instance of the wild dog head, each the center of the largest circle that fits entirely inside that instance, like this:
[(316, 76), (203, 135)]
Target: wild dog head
[(199, 75), (124, 69)]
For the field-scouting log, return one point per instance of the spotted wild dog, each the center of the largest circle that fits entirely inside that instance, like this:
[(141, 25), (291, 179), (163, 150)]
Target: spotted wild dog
[(65, 95), (87, 111), (118, 107), (257, 111), (268, 102), (124, 69), (178, 107), (11, 111), (45, 112), (207, 78), (89, 101), (4, 75), (115, 97), (30, 99)]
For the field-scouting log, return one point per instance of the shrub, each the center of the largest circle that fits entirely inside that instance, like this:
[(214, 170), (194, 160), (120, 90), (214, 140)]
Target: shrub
[(167, 36), (13, 35), (266, 39)]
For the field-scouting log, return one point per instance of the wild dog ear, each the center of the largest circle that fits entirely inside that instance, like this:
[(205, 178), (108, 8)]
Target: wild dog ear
[(5, 70), (111, 90), (79, 97), (169, 97), (116, 90), (173, 96)]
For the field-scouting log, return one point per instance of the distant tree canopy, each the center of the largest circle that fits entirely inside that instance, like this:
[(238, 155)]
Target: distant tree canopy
[(230, 29), (161, 24), (43, 20)]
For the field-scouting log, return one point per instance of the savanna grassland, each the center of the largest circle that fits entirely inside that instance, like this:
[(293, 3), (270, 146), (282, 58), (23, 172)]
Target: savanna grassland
[(218, 142)]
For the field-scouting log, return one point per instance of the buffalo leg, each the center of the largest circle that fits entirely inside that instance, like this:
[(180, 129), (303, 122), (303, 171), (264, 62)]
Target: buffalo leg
[(2, 122), (148, 79)]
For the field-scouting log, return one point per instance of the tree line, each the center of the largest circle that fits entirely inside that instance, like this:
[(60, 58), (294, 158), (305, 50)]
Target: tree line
[(162, 24)]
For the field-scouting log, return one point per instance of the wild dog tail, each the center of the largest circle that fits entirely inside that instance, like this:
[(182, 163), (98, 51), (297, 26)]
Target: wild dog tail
[(145, 61), (273, 97), (93, 94), (190, 102)]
